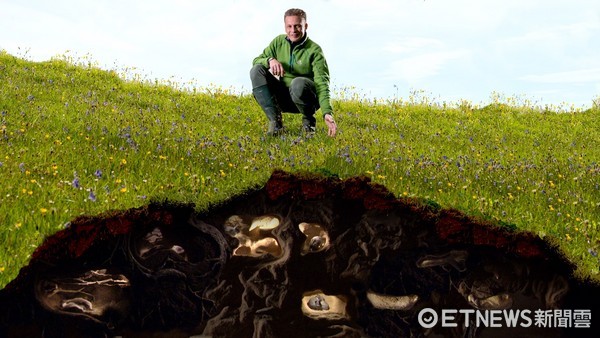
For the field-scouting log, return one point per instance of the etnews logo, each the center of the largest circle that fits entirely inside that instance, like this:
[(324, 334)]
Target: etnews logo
[(429, 318)]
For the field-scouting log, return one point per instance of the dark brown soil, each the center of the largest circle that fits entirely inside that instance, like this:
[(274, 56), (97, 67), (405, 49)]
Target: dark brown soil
[(168, 270)]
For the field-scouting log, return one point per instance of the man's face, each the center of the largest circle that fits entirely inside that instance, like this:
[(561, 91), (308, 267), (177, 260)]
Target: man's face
[(295, 27)]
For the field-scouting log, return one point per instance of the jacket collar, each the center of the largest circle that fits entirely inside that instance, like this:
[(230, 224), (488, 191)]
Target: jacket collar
[(299, 42)]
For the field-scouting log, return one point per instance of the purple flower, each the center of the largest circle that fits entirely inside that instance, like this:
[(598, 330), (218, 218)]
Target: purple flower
[(75, 183), (92, 196), (98, 173)]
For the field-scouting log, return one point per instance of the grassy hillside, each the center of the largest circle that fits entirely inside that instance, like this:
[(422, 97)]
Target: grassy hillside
[(78, 140)]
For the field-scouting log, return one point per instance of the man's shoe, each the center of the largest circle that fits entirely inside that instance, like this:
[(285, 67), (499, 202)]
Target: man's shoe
[(269, 105), (274, 128), (308, 130)]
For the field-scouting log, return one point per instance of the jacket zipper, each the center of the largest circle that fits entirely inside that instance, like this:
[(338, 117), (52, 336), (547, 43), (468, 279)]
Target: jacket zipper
[(292, 59), (292, 47)]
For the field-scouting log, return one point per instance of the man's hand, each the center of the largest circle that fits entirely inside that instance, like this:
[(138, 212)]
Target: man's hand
[(276, 67), (332, 127)]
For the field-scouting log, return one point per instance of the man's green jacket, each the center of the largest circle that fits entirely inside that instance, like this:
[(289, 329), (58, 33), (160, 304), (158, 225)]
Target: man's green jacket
[(304, 58)]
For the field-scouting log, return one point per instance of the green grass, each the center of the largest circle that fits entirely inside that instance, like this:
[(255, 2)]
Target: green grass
[(76, 140)]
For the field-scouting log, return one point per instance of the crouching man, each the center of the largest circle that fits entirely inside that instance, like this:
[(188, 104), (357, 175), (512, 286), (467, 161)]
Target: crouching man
[(291, 75)]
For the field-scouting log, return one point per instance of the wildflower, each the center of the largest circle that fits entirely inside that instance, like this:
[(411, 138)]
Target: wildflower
[(123, 162), (92, 196), (18, 225), (75, 183), (98, 173), (43, 211), (124, 189), (2, 269)]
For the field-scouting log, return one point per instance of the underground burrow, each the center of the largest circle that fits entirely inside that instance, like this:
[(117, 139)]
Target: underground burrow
[(303, 256)]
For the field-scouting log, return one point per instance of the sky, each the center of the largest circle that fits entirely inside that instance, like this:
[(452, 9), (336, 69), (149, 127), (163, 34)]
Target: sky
[(546, 52)]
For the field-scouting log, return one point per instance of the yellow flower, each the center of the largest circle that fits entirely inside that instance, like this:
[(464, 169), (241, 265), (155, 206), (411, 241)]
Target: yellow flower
[(124, 189), (1, 269), (18, 225), (43, 211), (123, 161)]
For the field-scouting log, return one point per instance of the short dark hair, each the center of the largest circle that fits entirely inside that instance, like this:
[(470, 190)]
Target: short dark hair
[(295, 12)]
